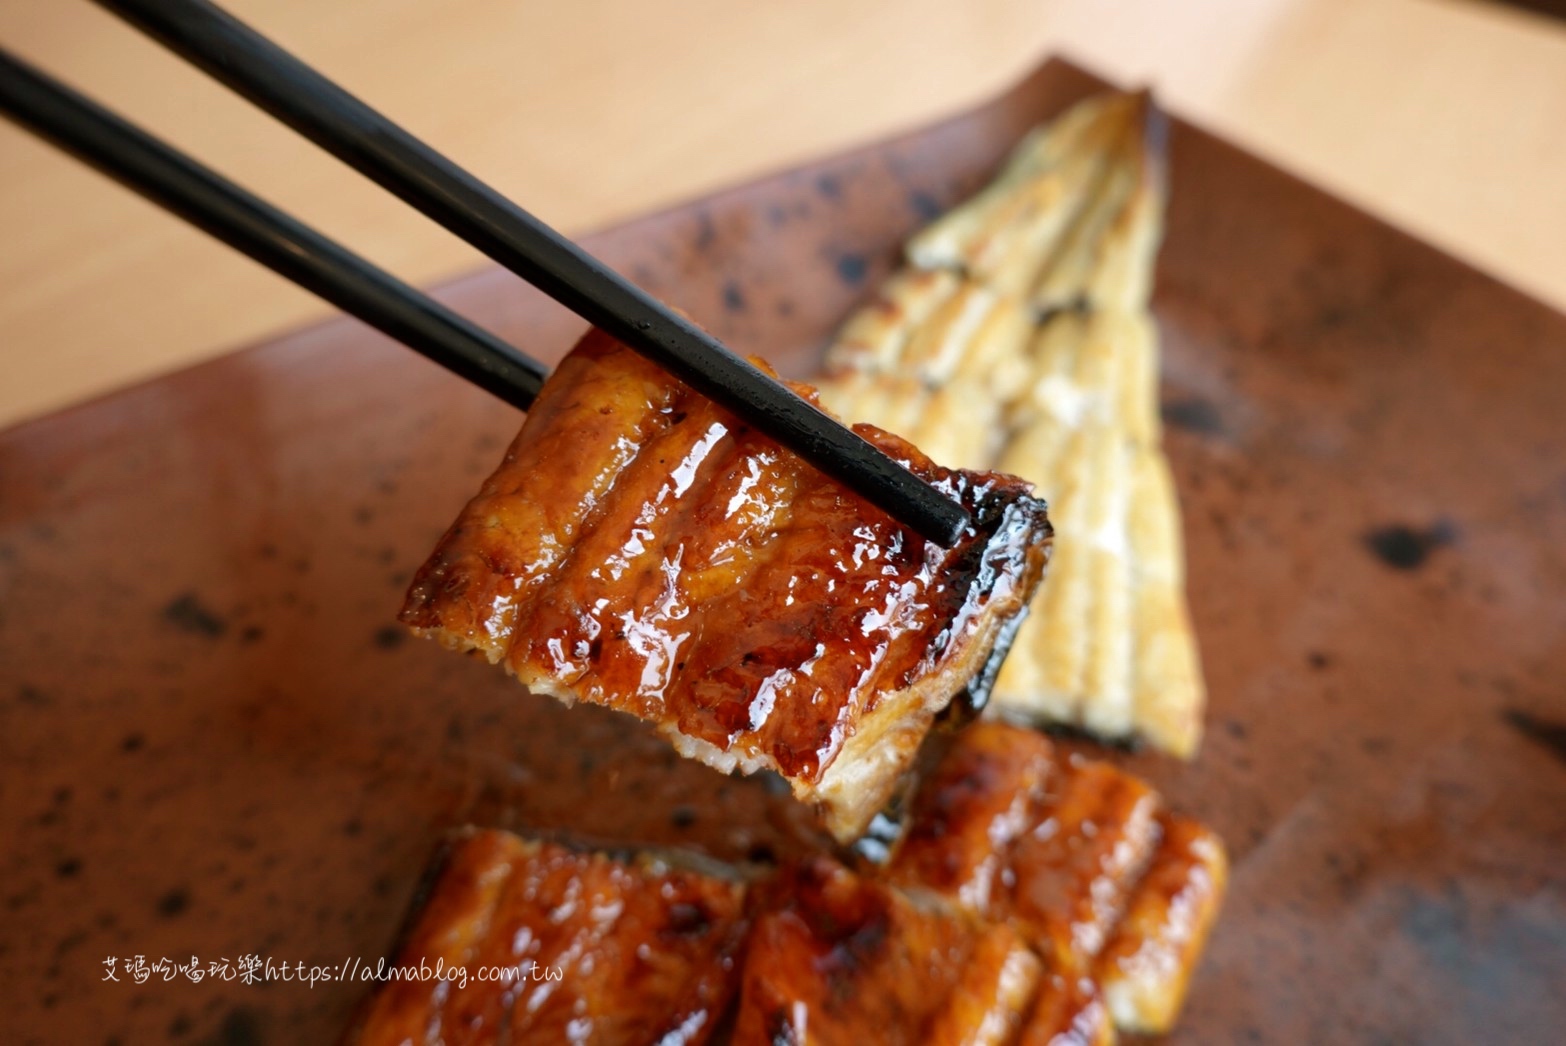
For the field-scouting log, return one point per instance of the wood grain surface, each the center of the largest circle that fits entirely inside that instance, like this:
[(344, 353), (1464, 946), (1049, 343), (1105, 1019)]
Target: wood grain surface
[(1445, 117)]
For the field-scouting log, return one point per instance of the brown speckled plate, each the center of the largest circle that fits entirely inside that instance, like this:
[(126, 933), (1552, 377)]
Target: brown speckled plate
[(215, 742)]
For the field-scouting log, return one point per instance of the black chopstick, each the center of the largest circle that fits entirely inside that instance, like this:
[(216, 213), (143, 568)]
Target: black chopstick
[(209, 201), (270, 77)]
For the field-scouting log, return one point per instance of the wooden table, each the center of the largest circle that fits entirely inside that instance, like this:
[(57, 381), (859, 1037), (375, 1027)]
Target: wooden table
[(1448, 118)]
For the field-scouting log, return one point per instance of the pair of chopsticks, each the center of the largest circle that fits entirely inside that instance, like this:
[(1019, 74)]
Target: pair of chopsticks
[(291, 91)]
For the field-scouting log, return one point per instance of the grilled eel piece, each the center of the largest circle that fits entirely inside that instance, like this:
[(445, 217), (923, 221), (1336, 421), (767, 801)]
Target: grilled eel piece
[(1146, 967), (1068, 1011), (1011, 833), (1073, 217), (643, 952), (1019, 339), (643, 549), (987, 791), (847, 959), (1115, 893), (839, 958), (1031, 900), (595, 950)]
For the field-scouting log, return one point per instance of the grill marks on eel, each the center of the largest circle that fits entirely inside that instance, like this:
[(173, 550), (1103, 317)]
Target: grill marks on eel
[(639, 950), (586, 620), (1034, 900), (790, 651), (643, 549), (502, 548)]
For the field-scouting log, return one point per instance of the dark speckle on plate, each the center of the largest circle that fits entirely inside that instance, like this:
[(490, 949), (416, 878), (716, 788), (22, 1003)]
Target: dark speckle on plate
[(733, 297), (1193, 415), (240, 1027), (852, 268), (1547, 733), (32, 696), (1405, 547), (189, 614), (927, 207), (174, 902)]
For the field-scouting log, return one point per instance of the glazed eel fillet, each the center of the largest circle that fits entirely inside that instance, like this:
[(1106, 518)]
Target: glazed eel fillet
[(643, 549), (1031, 901), (573, 947), (1113, 891)]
